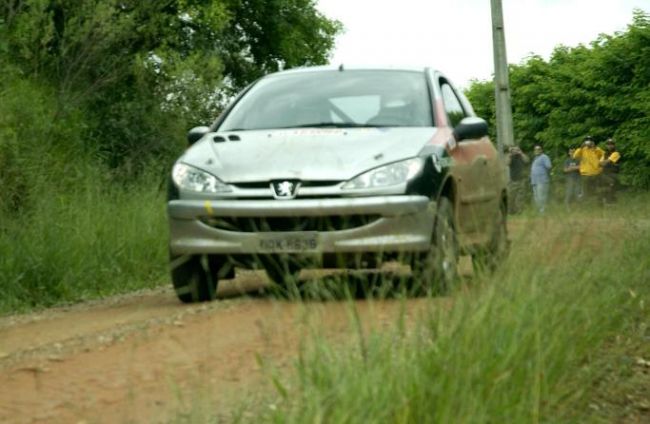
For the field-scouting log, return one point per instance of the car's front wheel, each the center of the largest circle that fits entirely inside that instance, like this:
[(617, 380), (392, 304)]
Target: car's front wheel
[(437, 270), (195, 277)]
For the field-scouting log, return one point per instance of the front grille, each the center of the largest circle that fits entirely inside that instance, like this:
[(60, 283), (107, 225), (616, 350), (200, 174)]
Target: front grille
[(293, 223), (267, 184)]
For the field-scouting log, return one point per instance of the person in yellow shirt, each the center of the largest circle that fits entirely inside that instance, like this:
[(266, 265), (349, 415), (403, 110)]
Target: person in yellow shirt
[(610, 165), (590, 166)]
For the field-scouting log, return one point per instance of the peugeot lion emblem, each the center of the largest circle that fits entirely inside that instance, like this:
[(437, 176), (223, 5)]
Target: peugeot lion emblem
[(284, 189)]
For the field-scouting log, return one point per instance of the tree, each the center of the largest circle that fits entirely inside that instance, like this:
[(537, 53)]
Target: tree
[(143, 72), (602, 90)]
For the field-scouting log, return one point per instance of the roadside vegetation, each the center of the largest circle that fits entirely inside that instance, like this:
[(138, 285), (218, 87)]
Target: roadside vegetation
[(558, 334), (93, 240)]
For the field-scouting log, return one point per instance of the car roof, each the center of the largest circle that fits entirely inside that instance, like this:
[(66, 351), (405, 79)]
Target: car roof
[(346, 67)]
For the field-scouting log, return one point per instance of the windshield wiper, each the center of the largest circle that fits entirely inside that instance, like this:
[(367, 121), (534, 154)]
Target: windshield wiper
[(335, 125), (314, 125)]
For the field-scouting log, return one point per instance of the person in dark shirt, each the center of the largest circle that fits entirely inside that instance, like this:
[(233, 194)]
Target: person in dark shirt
[(572, 179), (517, 161)]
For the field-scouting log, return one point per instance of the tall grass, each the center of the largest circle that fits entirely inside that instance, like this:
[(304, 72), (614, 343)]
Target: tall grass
[(70, 227), (516, 347), (91, 239)]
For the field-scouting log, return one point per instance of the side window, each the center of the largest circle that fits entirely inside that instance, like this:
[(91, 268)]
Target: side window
[(453, 107)]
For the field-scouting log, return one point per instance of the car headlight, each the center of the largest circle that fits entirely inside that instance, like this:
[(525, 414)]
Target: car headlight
[(194, 179), (392, 174)]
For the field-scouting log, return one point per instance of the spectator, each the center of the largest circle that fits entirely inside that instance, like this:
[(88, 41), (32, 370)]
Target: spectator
[(517, 160), (572, 178), (540, 178), (610, 165), (590, 168)]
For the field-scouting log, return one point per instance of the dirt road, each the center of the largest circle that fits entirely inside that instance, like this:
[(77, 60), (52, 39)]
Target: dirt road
[(148, 358)]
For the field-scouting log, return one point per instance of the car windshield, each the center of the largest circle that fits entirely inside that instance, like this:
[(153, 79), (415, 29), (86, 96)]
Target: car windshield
[(334, 99)]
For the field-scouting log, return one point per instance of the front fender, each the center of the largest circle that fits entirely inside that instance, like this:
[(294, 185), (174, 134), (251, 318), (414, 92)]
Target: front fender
[(435, 179)]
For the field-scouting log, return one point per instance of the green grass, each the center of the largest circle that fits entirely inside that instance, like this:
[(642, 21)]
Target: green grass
[(87, 241), (528, 344), (71, 228)]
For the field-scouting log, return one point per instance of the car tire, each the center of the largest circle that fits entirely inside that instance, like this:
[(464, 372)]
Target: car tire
[(437, 270), (488, 258), (283, 271), (194, 277)]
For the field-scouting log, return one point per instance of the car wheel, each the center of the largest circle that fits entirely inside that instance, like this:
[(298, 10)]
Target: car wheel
[(283, 271), (487, 259), (437, 270), (195, 277)]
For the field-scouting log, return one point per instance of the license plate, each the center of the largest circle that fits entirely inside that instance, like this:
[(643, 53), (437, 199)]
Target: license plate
[(288, 243)]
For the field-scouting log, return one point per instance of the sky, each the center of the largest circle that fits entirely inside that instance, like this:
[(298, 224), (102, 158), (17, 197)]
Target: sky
[(455, 36)]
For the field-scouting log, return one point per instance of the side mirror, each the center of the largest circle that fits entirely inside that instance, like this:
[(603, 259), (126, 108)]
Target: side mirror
[(196, 133), (470, 128)]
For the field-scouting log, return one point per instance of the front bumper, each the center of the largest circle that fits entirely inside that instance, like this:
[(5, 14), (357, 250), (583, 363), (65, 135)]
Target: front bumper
[(403, 224)]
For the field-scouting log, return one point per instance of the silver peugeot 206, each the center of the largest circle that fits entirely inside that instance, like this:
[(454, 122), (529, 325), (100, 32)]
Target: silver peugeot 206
[(337, 168)]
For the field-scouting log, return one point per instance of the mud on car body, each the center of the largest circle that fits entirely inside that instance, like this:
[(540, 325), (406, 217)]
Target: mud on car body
[(337, 167)]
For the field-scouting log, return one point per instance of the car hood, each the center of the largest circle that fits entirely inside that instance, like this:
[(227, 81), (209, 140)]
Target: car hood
[(304, 154)]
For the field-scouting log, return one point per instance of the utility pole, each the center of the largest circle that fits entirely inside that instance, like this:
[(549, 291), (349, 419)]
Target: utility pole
[(505, 134)]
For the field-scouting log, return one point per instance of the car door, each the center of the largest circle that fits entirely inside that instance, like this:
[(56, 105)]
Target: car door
[(474, 163)]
